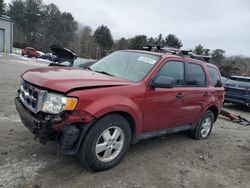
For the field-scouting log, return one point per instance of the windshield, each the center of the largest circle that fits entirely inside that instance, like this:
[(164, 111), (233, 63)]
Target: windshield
[(128, 65)]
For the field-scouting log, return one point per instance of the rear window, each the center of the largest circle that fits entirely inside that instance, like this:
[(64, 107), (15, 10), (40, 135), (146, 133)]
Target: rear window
[(215, 76), (195, 75)]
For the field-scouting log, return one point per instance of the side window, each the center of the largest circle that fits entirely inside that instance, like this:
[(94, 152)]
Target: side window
[(195, 75), (215, 77), (174, 70)]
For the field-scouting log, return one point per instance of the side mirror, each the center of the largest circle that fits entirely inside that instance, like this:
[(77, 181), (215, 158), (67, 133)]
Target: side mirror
[(162, 82)]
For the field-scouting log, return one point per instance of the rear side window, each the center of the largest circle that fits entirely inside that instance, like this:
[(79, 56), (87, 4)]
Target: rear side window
[(215, 77), (195, 75), (175, 70)]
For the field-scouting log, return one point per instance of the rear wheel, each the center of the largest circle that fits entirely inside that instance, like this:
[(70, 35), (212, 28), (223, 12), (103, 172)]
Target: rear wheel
[(204, 127), (106, 143)]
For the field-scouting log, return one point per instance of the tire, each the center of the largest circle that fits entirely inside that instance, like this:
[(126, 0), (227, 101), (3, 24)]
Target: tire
[(204, 127), (96, 157)]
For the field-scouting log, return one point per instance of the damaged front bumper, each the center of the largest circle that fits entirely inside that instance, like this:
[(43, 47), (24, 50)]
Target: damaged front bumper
[(67, 131), (41, 129)]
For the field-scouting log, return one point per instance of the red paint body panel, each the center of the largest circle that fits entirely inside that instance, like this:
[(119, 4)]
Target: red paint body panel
[(63, 79), (151, 109), (100, 101)]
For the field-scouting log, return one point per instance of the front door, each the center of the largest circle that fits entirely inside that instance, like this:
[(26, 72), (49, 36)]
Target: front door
[(164, 105)]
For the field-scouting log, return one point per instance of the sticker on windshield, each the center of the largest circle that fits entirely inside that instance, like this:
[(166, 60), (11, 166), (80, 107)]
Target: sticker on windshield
[(147, 60)]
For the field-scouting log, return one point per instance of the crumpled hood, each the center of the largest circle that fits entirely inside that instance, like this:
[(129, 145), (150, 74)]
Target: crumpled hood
[(64, 79)]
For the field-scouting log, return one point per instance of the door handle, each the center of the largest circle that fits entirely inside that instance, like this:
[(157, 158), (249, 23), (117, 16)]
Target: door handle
[(179, 96), (206, 94)]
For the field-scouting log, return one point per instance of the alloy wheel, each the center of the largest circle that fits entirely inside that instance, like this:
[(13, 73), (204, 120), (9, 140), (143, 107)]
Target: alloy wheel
[(109, 144)]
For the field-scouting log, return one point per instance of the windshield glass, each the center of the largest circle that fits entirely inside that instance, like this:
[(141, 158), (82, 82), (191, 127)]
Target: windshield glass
[(128, 65)]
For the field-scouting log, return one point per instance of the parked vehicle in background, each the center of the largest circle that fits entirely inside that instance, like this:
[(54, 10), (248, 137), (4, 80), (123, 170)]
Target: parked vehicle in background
[(78, 63), (237, 90), (83, 63), (65, 57), (223, 79), (30, 52), (125, 97), (48, 56), (39, 54)]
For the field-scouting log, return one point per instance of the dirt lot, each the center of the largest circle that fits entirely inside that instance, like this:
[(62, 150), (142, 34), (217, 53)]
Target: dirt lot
[(223, 160)]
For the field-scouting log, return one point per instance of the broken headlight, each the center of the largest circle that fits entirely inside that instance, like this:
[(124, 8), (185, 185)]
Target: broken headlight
[(55, 103)]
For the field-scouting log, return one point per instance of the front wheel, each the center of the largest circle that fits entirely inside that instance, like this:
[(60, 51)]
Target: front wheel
[(204, 127), (106, 143)]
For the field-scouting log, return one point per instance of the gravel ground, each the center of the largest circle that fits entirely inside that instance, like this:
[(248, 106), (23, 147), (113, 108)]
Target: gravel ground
[(175, 160)]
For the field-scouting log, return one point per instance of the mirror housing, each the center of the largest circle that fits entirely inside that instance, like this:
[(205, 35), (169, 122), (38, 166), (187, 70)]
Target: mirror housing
[(162, 82)]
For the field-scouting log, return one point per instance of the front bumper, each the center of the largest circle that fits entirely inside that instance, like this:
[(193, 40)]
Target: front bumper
[(40, 128), (68, 132)]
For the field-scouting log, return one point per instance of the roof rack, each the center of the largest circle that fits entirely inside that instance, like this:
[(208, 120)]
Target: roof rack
[(178, 52)]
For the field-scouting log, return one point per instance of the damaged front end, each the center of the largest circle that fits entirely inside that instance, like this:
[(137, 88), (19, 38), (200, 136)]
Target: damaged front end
[(42, 129), (67, 127)]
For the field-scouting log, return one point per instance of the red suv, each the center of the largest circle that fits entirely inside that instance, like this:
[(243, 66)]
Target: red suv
[(125, 97)]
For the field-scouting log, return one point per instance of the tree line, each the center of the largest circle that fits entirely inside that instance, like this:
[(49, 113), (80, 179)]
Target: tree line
[(40, 25)]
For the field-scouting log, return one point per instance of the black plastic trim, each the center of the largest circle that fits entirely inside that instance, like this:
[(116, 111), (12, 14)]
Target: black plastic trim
[(147, 135)]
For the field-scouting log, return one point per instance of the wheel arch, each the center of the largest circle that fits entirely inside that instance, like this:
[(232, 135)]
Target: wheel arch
[(215, 111), (131, 120), (124, 106)]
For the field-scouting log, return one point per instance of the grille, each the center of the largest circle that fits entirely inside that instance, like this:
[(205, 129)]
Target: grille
[(31, 97)]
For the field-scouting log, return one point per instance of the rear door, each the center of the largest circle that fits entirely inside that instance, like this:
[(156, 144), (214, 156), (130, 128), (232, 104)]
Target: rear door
[(197, 93)]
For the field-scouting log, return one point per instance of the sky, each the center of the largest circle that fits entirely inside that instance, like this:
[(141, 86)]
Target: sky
[(215, 24)]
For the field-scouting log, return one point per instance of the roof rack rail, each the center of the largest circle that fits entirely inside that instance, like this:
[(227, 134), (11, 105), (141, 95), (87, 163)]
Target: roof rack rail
[(176, 51)]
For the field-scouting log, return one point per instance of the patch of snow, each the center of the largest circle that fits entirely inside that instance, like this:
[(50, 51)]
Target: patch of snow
[(15, 54), (17, 51), (44, 60), (30, 63), (16, 173), (24, 58), (10, 119)]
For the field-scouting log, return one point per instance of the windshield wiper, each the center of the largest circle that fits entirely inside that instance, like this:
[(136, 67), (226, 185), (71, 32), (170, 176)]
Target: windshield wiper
[(89, 68), (102, 72)]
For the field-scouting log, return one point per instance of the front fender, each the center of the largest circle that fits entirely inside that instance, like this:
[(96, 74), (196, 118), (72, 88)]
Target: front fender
[(115, 103)]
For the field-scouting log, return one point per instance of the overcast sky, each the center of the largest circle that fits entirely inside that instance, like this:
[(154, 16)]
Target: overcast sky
[(213, 23)]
